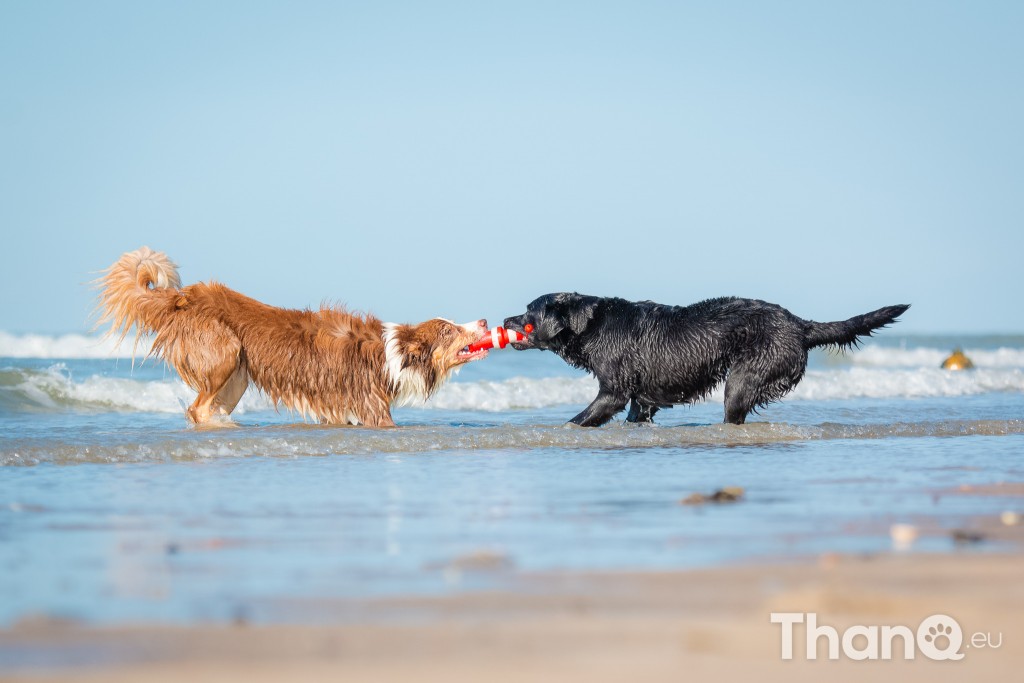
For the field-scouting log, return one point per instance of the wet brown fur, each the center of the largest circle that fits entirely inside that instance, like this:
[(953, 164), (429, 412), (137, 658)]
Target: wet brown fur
[(329, 365)]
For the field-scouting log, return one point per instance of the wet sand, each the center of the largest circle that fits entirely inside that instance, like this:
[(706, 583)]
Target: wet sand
[(580, 627)]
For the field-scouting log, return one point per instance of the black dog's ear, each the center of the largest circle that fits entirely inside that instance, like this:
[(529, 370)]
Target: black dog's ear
[(551, 326), (581, 315)]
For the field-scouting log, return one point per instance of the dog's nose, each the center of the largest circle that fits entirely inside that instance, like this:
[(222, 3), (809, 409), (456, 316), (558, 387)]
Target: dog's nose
[(482, 323)]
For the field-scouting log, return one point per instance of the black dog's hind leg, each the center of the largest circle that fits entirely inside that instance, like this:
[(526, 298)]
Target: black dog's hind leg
[(758, 382), (741, 392), (641, 412), (602, 409)]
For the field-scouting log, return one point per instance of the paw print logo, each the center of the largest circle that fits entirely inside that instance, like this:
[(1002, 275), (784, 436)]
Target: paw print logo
[(939, 631), (940, 637)]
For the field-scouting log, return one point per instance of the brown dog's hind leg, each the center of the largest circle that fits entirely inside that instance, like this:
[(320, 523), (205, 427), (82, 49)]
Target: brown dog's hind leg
[(200, 411), (221, 390), (231, 393)]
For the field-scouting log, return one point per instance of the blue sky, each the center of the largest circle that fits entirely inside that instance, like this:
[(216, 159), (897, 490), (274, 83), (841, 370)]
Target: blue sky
[(460, 159)]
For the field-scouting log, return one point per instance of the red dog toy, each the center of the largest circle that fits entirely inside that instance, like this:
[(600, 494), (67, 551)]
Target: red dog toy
[(500, 337)]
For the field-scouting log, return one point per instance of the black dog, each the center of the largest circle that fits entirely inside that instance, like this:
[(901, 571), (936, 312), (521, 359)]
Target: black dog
[(657, 356)]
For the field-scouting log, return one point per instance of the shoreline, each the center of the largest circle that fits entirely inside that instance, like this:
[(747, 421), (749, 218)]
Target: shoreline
[(578, 626)]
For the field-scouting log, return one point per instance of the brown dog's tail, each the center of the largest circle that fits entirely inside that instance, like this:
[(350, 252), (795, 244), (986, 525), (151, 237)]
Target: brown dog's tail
[(140, 290), (845, 334)]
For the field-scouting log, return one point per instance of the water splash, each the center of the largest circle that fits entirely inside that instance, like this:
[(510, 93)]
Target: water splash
[(311, 441)]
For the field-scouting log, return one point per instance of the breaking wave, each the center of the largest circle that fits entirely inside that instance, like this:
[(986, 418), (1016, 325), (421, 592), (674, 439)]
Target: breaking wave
[(69, 346), (55, 388)]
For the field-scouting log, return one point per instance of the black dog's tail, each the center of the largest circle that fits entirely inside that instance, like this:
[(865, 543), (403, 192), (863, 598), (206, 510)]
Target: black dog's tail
[(844, 335)]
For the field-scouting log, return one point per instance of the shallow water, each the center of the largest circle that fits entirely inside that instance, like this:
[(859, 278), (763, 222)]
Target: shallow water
[(113, 509)]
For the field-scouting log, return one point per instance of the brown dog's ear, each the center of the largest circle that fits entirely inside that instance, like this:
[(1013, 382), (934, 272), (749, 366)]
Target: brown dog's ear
[(416, 352)]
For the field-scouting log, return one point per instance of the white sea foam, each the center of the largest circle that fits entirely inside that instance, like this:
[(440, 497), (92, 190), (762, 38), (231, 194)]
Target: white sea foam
[(55, 388), (69, 346), (924, 357), (863, 382), (518, 393), (818, 385)]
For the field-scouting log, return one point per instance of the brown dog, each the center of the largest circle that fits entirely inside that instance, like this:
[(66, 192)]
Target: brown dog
[(329, 365)]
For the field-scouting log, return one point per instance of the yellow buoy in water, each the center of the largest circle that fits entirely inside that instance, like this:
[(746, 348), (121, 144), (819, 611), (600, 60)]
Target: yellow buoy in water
[(957, 361)]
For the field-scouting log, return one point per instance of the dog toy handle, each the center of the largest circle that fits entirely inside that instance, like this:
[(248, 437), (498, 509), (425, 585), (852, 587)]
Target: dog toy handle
[(500, 338)]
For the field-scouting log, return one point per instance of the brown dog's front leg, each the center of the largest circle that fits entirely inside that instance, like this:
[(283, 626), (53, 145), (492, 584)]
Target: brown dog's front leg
[(385, 421), (376, 412)]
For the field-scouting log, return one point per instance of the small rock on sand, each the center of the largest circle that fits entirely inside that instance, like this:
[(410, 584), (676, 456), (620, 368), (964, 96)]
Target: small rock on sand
[(729, 494)]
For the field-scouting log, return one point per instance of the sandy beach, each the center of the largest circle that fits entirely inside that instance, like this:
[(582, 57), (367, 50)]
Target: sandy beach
[(139, 551), (583, 627)]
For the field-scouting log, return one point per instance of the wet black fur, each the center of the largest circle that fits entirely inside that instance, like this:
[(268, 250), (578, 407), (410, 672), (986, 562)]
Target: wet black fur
[(657, 356)]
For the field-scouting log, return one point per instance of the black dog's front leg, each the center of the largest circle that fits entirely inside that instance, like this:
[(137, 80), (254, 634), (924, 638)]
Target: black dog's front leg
[(602, 409), (641, 412)]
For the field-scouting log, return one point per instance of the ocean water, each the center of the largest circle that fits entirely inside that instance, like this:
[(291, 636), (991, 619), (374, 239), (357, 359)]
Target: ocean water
[(113, 509)]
